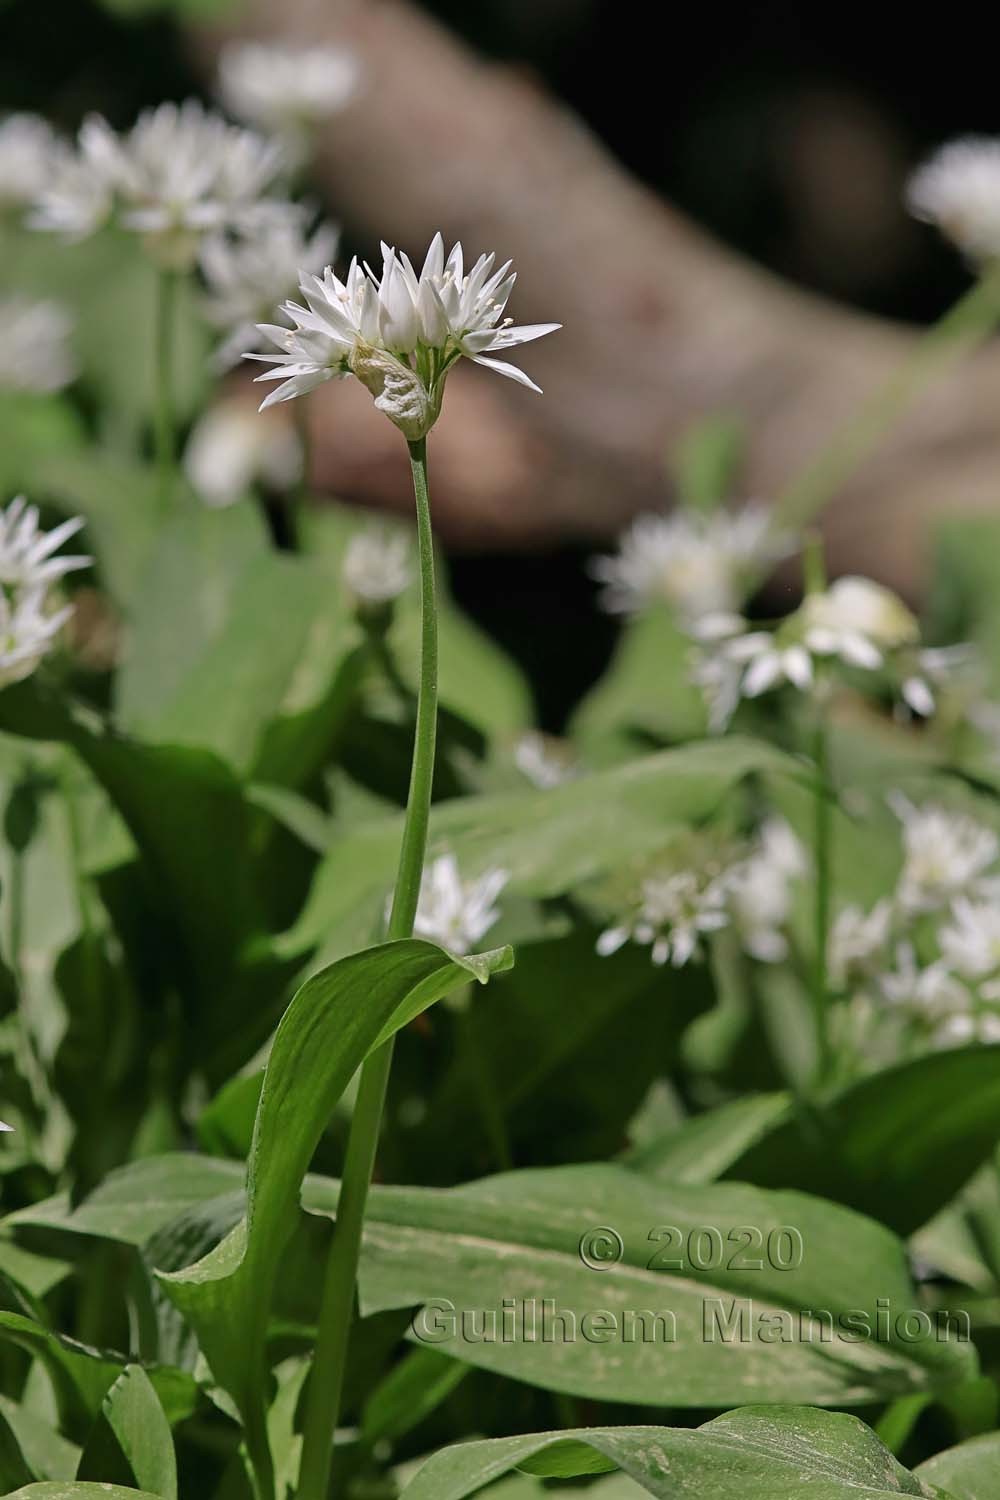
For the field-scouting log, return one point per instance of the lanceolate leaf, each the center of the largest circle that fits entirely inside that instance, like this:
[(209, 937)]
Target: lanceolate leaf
[(969, 1472), (134, 1425), (548, 842), (898, 1145), (674, 1296), (727, 1322), (333, 1022), (704, 1146), (72, 1489), (758, 1453)]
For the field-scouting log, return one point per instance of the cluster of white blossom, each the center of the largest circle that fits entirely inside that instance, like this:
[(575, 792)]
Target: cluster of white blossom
[(931, 949), (287, 91), (377, 566), (749, 889), (30, 620), (699, 563), (36, 353), (855, 623), (400, 333), (457, 912), (231, 449)]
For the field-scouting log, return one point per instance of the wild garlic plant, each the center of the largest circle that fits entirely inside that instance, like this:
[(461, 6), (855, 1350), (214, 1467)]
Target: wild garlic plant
[(765, 842)]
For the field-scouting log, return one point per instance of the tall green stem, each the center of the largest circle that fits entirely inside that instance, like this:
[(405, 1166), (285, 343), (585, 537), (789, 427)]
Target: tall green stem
[(822, 851), (337, 1305), (971, 319), (164, 427)]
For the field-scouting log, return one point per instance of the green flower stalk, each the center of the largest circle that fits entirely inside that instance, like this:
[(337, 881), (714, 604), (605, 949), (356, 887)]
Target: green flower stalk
[(400, 335)]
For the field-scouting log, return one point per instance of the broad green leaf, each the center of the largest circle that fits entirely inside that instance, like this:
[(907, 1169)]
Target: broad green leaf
[(71, 1489), (49, 1455), (645, 693), (549, 842), (518, 1236), (13, 1466), (898, 1145), (702, 1310), (701, 1148), (409, 1392), (134, 1425), (192, 834), (969, 1472), (333, 1022), (758, 1453)]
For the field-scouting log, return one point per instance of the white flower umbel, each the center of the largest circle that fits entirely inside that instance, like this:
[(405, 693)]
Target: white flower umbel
[(930, 993), (453, 912), (946, 855), (958, 190), (672, 913), (231, 450), (178, 174), (27, 559), (285, 90), (545, 761), (970, 943), (969, 1026), (248, 275), (35, 350), (697, 563), (377, 566), (857, 942), (856, 620), (759, 891), (29, 151), (27, 632), (399, 333)]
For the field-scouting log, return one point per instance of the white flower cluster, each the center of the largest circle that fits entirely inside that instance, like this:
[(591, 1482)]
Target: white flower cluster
[(36, 354), (958, 190), (855, 622), (946, 897), (453, 912), (399, 333), (29, 568), (230, 450), (180, 173), (29, 152), (750, 890), (698, 563), (285, 90), (544, 760), (377, 566), (249, 275)]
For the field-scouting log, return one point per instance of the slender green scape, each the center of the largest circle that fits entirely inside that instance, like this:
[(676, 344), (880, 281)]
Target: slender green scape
[(338, 1296), (165, 434)]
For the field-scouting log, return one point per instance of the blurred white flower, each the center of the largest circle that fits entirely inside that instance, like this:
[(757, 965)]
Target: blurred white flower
[(930, 992), (759, 891), (286, 90), (857, 939), (946, 855), (231, 450), (399, 334), (545, 761), (958, 190), (453, 912), (970, 943), (5, 1127), (35, 352), (27, 632), (249, 275), (29, 150), (672, 914), (26, 552), (178, 174), (769, 661), (700, 564), (854, 606), (937, 668), (968, 1026), (378, 565)]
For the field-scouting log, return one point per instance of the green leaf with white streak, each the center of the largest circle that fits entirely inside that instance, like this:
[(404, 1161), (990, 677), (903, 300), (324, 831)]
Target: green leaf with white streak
[(758, 1453)]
